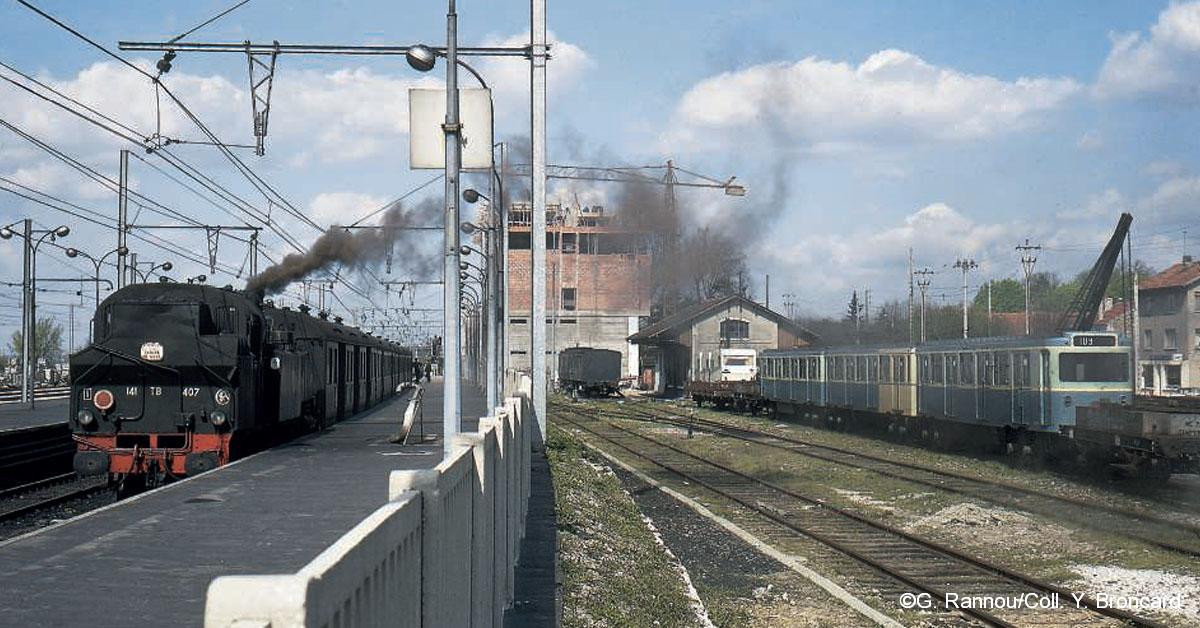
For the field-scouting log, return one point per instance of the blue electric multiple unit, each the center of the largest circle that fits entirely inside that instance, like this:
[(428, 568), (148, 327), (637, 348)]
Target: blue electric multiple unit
[(1020, 384)]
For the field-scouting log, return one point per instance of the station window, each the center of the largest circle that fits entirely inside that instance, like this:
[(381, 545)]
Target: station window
[(1148, 339), (733, 329), (952, 369), (938, 368), (568, 299), (1170, 340)]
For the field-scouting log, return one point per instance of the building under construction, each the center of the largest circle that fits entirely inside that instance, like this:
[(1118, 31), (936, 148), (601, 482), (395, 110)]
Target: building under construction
[(598, 283)]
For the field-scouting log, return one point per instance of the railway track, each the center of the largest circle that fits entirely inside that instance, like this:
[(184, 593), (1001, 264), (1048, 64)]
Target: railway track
[(9, 395), (33, 453), (21, 508), (910, 565), (1161, 532)]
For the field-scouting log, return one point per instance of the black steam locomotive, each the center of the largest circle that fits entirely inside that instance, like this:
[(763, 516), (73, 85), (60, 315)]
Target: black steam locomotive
[(181, 378)]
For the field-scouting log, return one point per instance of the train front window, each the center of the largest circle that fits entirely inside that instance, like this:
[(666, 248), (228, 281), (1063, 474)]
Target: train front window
[(1093, 367)]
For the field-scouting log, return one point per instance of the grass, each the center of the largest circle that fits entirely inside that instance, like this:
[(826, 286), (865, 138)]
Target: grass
[(614, 571)]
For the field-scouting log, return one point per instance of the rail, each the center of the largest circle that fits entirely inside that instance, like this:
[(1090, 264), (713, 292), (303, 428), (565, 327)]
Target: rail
[(441, 552), (51, 392), (33, 453)]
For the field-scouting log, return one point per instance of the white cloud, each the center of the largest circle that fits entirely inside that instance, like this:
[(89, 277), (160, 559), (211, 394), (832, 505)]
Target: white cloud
[(509, 76), (341, 208), (1102, 205), (833, 263), (1090, 140), (1163, 168), (1164, 63), (1177, 194), (892, 96)]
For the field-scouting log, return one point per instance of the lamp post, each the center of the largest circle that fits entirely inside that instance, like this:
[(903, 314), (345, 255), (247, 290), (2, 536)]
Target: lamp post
[(29, 285), (97, 263), (493, 309), (143, 276)]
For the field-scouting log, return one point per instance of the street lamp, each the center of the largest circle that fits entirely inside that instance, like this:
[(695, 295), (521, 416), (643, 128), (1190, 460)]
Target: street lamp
[(423, 59), (97, 263), (165, 267), (197, 279), (495, 309), (29, 284)]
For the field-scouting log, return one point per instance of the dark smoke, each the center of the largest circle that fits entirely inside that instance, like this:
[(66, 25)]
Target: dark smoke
[(358, 250)]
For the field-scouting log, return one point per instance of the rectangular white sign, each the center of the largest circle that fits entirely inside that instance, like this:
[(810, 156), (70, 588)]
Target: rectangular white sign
[(427, 139)]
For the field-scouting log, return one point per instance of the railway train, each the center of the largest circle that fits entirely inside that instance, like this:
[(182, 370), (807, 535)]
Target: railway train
[(182, 378), (589, 371), (1049, 397)]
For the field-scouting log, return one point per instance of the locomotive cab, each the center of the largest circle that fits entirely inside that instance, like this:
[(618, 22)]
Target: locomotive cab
[(158, 392)]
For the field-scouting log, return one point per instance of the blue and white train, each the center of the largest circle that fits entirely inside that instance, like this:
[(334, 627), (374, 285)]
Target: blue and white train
[(1020, 393)]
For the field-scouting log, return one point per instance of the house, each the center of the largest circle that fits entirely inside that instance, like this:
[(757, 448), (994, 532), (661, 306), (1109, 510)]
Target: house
[(1169, 321), (675, 347)]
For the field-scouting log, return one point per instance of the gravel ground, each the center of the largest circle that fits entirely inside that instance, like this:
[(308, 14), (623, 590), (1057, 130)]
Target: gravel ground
[(615, 572), (1177, 596), (1026, 542), (739, 585)]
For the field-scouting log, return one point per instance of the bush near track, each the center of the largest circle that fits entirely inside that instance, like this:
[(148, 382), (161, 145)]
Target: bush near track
[(614, 572)]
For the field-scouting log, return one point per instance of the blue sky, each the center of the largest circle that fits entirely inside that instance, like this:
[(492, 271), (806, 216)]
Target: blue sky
[(860, 128)]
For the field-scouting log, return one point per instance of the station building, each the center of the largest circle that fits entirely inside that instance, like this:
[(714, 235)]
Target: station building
[(675, 347), (1169, 321), (598, 283)]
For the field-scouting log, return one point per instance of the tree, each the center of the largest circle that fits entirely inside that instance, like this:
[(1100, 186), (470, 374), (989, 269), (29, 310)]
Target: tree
[(853, 309), (47, 342), (1008, 295)]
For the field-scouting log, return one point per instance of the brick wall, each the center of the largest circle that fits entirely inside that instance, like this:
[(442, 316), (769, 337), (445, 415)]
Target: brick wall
[(603, 283)]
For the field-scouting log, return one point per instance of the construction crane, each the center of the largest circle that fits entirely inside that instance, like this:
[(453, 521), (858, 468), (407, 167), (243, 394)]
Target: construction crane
[(1081, 314), (667, 175)]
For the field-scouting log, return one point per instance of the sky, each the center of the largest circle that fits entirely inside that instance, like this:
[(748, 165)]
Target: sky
[(860, 129)]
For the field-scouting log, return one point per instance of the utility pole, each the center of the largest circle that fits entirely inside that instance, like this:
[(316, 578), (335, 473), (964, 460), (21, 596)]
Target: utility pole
[(910, 296), (1028, 259), (451, 401), (867, 307), (989, 319), (965, 265), (123, 219), (28, 318), (537, 115), (923, 282)]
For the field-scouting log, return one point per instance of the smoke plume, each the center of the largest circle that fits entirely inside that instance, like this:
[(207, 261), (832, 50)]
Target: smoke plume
[(358, 249)]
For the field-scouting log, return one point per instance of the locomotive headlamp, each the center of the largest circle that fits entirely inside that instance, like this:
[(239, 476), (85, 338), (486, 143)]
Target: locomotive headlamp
[(85, 418), (103, 400), (218, 418)]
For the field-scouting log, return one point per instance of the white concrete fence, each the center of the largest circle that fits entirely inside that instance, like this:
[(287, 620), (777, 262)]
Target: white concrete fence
[(441, 552)]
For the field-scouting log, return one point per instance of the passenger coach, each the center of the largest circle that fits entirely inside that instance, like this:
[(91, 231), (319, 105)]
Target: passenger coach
[(1017, 386)]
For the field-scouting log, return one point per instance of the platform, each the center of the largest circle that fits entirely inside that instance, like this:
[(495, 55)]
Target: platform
[(149, 560), (15, 415)]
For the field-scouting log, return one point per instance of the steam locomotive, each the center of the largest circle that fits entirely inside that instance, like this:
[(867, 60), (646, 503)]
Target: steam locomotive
[(182, 378)]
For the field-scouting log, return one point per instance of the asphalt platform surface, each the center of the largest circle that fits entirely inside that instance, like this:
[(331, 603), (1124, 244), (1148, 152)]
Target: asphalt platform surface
[(147, 561)]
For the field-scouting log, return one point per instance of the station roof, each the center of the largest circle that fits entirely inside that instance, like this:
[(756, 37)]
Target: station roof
[(671, 327), (1180, 275)]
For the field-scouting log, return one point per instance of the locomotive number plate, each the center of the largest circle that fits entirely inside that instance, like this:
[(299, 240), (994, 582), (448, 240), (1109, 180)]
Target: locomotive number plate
[(152, 351)]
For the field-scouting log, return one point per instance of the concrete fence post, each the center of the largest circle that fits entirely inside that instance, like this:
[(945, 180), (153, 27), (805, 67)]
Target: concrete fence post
[(482, 555), (425, 482), (256, 601), (500, 508)]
